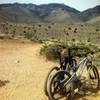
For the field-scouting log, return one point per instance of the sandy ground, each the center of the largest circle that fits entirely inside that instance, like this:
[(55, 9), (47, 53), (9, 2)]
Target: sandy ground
[(23, 71)]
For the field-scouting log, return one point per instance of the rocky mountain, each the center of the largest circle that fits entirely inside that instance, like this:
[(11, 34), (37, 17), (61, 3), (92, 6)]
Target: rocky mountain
[(28, 13), (37, 13), (91, 14)]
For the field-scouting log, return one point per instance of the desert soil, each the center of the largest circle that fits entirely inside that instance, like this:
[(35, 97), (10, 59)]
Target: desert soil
[(23, 71)]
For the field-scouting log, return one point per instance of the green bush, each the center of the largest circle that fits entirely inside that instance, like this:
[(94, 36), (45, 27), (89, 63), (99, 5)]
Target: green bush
[(50, 50)]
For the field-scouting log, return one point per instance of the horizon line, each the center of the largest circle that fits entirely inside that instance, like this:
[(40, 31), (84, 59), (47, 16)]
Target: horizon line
[(49, 3)]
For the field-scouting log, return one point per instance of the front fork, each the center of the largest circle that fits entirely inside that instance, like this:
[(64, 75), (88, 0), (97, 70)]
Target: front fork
[(70, 80)]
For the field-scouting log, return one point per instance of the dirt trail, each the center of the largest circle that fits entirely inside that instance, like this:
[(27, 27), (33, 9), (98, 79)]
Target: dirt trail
[(23, 71)]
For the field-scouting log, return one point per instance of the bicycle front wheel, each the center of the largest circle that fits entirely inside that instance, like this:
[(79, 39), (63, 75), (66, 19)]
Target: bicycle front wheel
[(55, 88), (49, 75)]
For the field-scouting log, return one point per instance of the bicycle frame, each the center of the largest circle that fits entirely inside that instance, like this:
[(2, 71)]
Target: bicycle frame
[(74, 76)]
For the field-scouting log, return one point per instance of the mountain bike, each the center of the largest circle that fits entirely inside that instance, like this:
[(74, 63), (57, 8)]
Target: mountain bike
[(64, 84), (67, 63)]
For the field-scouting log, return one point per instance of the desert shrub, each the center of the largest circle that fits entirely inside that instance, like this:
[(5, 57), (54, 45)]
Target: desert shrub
[(35, 31), (69, 28), (75, 28), (83, 49), (97, 30), (73, 40), (24, 31), (49, 27), (28, 35), (29, 28), (50, 50), (98, 37), (6, 28), (75, 31), (67, 33), (39, 25), (89, 40), (52, 23)]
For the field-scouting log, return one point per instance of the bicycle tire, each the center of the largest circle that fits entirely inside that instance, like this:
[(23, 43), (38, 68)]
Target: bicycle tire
[(51, 97), (96, 76), (47, 79)]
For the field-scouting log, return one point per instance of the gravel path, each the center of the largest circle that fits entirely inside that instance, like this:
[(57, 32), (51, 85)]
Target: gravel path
[(23, 71)]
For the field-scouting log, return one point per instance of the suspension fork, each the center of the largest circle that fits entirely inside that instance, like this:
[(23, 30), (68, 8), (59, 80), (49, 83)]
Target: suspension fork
[(71, 79)]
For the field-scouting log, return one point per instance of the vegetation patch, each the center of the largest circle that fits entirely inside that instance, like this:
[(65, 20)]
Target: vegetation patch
[(50, 51)]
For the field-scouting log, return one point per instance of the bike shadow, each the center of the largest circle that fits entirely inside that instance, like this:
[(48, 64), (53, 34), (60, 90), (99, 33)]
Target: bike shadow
[(77, 97), (3, 83), (92, 92), (84, 97)]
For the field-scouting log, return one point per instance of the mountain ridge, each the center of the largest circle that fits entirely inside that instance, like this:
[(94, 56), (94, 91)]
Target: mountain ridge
[(53, 12)]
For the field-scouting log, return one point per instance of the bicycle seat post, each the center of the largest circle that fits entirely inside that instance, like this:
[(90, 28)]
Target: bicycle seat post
[(69, 56)]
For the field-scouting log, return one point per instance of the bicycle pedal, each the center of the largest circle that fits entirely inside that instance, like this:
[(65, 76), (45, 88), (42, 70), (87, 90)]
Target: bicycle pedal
[(76, 90), (81, 93)]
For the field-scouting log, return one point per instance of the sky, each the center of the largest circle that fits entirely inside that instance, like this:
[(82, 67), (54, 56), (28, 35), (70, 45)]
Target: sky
[(77, 4)]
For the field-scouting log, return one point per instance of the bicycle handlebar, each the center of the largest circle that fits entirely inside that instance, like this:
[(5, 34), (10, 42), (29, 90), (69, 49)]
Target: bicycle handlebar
[(79, 55), (85, 54)]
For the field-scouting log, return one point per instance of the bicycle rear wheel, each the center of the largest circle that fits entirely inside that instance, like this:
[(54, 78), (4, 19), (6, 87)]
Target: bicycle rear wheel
[(94, 78), (56, 90)]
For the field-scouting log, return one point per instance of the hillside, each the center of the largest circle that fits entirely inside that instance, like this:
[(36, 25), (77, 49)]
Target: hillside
[(37, 13), (38, 32), (49, 21), (28, 13), (89, 14)]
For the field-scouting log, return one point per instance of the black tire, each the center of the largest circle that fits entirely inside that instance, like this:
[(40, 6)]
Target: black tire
[(47, 79), (62, 92), (94, 77)]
